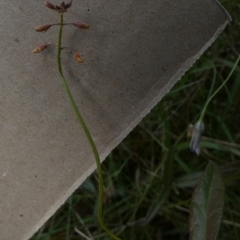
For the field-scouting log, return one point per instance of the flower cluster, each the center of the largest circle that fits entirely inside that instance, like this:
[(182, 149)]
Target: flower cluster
[(61, 8)]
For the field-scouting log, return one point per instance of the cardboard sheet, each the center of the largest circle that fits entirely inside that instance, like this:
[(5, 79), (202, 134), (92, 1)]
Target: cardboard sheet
[(134, 52)]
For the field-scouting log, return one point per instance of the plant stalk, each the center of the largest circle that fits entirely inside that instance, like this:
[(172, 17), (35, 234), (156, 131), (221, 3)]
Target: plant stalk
[(88, 135), (218, 89)]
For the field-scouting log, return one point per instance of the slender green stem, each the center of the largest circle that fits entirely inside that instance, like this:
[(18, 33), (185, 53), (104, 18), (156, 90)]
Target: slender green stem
[(219, 88), (55, 24), (89, 137)]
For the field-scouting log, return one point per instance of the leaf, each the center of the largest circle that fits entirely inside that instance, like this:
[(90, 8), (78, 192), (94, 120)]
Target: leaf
[(188, 180), (207, 205)]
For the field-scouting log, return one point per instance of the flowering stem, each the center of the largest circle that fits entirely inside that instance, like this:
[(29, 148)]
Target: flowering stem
[(213, 95), (89, 137), (54, 24)]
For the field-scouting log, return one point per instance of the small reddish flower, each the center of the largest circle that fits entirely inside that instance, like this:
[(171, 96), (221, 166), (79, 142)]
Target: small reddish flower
[(68, 5), (63, 7), (59, 8), (39, 48), (43, 28), (50, 5), (78, 57), (81, 25)]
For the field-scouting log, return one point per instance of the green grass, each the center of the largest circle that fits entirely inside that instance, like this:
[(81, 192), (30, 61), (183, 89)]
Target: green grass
[(149, 178)]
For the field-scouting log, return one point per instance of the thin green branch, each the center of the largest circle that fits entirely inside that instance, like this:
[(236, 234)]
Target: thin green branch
[(63, 24), (89, 137), (219, 88)]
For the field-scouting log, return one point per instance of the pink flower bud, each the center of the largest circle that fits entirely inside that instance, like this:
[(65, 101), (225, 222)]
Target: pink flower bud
[(81, 25), (43, 28), (78, 57), (49, 5), (39, 49), (68, 5)]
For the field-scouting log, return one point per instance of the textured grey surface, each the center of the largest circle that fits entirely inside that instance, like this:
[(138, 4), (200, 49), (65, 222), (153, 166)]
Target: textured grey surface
[(134, 52)]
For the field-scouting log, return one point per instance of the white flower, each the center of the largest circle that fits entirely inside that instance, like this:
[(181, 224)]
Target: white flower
[(198, 129)]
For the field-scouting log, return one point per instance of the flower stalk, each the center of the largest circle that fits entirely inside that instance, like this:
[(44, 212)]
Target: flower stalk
[(199, 125), (61, 9)]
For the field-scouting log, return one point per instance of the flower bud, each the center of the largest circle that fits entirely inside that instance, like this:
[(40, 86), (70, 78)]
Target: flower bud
[(49, 5), (39, 49), (198, 129), (43, 28), (81, 25), (78, 57), (68, 5)]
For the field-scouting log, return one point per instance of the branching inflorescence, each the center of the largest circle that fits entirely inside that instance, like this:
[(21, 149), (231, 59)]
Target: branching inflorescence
[(61, 9)]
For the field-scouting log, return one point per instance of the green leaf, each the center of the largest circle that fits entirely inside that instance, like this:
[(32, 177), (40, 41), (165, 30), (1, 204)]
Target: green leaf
[(207, 205), (188, 180)]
